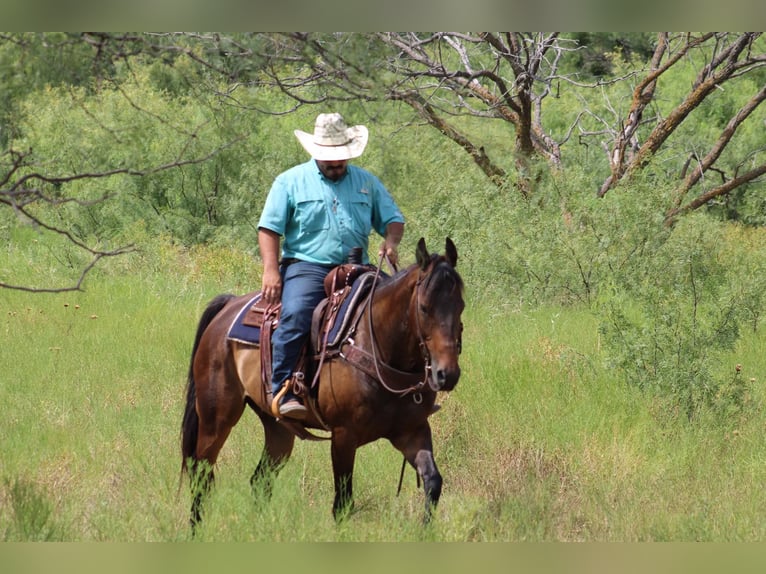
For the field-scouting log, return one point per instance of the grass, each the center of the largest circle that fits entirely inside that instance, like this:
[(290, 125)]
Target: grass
[(539, 442)]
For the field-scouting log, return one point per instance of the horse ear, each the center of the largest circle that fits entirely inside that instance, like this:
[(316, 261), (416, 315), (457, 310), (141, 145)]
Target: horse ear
[(451, 253), (421, 255)]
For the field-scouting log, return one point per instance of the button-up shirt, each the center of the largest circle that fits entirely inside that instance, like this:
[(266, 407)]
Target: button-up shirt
[(320, 219)]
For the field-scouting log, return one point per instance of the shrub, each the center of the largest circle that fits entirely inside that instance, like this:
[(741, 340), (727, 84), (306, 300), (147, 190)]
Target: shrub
[(667, 324), (32, 514)]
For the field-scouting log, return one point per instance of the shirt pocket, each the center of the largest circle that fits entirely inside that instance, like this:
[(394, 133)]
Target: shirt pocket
[(311, 215), (361, 213)]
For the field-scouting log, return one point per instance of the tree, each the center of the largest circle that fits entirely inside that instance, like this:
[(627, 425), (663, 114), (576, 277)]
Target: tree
[(96, 128), (507, 77), (532, 88), (726, 58), (441, 76), (33, 195)]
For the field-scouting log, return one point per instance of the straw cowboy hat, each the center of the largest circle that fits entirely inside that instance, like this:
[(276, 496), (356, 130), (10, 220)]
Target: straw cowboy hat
[(332, 139)]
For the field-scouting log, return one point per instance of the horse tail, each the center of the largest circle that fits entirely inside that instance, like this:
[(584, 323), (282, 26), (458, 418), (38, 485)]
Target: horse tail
[(190, 423)]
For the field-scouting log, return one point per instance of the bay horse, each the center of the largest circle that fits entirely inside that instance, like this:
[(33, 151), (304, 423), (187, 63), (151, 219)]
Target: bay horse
[(408, 335)]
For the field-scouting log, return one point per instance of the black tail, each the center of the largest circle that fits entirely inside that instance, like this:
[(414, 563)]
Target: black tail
[(190, 424)]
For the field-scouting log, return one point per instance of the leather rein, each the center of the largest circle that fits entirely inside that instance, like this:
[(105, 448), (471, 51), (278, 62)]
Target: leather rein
[(374, 366)]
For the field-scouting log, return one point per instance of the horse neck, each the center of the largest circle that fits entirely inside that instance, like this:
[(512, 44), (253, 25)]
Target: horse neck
[(394, 332)]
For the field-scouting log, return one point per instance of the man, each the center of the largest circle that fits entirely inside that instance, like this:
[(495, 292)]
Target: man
[(322, 208)]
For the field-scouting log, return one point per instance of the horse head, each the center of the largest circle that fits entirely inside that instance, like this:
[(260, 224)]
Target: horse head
[(438, 306)]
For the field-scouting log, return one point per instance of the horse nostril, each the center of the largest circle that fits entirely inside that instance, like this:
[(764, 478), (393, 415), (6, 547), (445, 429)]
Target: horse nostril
[(447, 379), (441, 377)]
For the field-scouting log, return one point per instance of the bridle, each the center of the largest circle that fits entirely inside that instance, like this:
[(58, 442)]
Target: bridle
[(390, 378), (417, 386)]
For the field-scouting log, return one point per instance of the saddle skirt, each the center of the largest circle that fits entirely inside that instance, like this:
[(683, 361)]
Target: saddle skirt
[(246, 326), (333, 321), (335, 318)]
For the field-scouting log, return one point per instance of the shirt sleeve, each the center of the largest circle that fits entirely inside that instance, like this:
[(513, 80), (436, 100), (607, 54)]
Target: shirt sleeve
[(275, 212), (385, 210)]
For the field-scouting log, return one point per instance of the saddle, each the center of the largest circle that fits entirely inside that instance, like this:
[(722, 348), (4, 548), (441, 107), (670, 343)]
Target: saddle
[(333, 320)]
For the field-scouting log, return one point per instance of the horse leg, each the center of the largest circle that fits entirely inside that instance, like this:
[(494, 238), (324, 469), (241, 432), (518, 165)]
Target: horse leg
[(343, 452), (278, 445), (417, 448), (201, 475), (217, 416)]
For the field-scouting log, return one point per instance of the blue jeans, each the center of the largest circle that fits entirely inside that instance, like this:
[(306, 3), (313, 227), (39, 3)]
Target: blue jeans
[(302, 290)]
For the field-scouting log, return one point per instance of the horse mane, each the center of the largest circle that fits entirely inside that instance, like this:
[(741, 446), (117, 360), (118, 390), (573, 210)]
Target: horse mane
[(441, 270)]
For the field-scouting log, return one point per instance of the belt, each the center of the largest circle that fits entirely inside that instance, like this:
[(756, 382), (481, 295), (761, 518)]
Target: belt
[(287, 261)]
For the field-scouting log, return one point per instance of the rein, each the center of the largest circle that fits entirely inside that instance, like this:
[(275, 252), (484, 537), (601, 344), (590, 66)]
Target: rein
[(414, 382)]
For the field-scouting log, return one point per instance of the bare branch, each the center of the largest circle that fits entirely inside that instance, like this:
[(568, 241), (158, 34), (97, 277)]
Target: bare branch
[(21, 193), (727, 59), (77, 286), (719, 146), (717, 191), (416, 101)]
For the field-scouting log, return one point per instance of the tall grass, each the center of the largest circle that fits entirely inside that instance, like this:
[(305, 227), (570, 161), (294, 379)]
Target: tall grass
[(540, 441)]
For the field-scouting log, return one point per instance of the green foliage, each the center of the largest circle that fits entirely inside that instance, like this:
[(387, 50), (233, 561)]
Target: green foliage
[(197, 159), (671, 300), (441, 194), (188, 161), (32, 515), (594, 333), (31, 61), (669, 327), (593, 56), (744, 256), (564, 243)]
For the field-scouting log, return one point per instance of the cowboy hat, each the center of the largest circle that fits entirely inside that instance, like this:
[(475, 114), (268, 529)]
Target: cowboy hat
[(332, 139)]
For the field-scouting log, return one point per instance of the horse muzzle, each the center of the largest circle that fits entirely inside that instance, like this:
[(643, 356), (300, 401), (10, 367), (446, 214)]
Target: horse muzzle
[(443, 379)]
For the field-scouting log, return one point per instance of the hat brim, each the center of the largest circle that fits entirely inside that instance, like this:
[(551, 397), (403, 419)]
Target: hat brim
[(354, 148)]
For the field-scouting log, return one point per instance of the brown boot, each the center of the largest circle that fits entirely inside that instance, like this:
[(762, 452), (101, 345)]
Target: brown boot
[(291, 407)]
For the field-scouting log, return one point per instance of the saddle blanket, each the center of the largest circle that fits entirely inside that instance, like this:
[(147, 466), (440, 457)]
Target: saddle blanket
[(242, 333), (359, 290), (250, 335)]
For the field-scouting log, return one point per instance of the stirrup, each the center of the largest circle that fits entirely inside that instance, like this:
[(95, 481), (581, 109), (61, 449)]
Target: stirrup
[(277, 398)]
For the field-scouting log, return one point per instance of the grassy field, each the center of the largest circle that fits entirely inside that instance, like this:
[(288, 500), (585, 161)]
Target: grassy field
[(539, 442)]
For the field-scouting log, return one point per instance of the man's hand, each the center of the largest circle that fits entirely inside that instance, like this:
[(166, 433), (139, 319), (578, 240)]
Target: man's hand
[(391, 252), (271, 286), (390, 246), (271, 282)]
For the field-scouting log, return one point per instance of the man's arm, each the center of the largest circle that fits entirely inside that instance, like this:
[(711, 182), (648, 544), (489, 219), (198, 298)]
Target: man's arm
[(390, 246), (271, 282)]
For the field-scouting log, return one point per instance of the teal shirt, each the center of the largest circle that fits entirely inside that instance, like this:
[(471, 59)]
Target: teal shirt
[(320, 219)]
